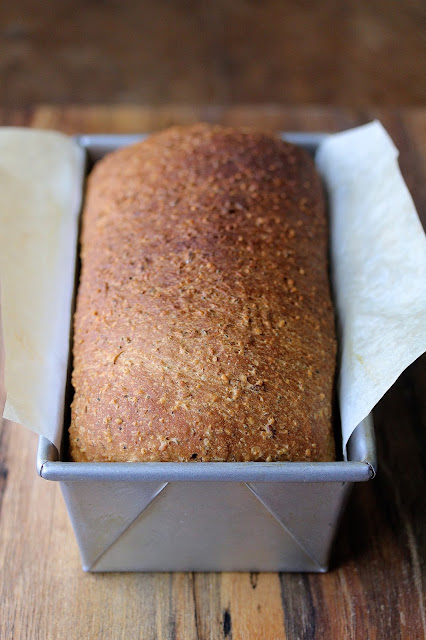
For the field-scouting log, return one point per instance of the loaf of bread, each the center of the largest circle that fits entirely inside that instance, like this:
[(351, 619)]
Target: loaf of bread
[(204, 328)]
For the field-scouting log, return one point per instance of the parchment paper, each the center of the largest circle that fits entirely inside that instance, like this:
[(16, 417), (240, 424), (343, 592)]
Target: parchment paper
[(378, 252), (41, 179), (378, 255)]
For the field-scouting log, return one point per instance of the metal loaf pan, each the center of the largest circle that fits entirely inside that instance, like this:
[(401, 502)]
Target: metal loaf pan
[(206, 516)]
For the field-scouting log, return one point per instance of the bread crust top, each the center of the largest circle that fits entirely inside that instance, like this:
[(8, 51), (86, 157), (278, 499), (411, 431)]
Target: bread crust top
[(204, 328)]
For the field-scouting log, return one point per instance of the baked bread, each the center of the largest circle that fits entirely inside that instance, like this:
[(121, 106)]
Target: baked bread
[(204, 327)]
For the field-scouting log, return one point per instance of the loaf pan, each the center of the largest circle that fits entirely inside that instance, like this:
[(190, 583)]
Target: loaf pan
[(205, 516)]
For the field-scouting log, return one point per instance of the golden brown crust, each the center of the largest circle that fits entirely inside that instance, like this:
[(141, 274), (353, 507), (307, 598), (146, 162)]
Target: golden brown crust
[(204, 327)]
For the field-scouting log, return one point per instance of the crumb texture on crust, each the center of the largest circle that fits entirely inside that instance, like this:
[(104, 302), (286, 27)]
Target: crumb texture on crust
[(204, 328)]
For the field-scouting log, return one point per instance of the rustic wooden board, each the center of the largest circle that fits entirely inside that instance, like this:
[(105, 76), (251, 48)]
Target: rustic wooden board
[(327, 52), (376, 587)]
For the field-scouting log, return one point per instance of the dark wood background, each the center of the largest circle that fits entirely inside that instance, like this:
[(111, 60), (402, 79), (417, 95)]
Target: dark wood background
[(346, 52), (375, 589)]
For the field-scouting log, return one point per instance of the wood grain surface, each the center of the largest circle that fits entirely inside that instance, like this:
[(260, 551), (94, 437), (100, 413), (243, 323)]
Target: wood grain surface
[(288, 51), (376, 586)]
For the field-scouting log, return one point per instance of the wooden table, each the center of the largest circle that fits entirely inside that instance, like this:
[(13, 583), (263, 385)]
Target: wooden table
[(216, 51), (375, 588)]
